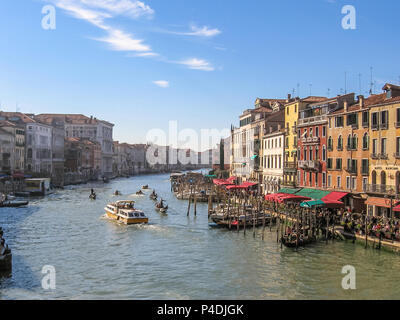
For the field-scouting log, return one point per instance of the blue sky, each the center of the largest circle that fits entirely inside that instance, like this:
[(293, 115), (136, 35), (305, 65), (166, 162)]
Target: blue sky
[(214, 58)]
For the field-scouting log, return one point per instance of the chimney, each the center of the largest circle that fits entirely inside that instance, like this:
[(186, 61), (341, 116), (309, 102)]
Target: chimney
[(361, 100), (270, 129), (345, 105), (279, 127), (289, 97)]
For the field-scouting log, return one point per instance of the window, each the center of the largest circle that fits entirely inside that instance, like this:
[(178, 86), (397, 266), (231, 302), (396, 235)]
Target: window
[(339, 122), (330, 144), (348, 183), (323, 179), (311, 154), (287, 110), (305, 154), (317, 131), (397, 117), (352, 119), (323, 153), (365, 119), (365, 142), (310, 179), (353, 183), (365, 166), (375, 119), (339, 164), (383, 146), (364, 184), (339, 182), (374, 146), (324, 131), (384, 119), (329, 181), (340, 143), (316, 179), (398, 145), (329, 163)]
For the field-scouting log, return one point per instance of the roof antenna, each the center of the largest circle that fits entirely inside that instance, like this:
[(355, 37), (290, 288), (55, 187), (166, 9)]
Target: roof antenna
[(345, 83), (359, 82), (371, 84), (329, 92), (298, 89)]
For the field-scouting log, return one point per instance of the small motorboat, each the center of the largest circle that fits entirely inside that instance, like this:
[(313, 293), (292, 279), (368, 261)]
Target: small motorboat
[(117, 193), (160, 207), (92, 196), (124, 211), (140, 193), (13, 204), (145, 187), (153, 196)]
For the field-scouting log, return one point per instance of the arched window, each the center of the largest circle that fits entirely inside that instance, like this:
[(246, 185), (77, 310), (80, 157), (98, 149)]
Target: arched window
[(323, 153), (354, 142), (365, 142), (349, 140), (340, 143), (330, 144)]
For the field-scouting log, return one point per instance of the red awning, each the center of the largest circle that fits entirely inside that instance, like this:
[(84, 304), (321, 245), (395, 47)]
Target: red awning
[(231, 179), (221, 182), (244, 185), (334, 196), (294, 197), (397, 208)]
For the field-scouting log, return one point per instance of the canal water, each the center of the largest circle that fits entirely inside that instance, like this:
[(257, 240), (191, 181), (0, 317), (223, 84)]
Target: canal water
[(175, 256)]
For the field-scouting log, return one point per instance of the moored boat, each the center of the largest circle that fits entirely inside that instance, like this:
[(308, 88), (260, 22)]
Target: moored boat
[(13, 204), (5, 255), (291, 241), (124, 211)]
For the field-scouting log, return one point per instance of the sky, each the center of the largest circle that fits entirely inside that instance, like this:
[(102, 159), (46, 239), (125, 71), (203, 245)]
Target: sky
[(141, 64)]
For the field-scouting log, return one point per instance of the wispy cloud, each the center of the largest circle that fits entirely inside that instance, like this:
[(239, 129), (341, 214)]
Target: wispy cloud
[(161, 83), (195, 31), (97, 11), (118, 40), (197, 64)]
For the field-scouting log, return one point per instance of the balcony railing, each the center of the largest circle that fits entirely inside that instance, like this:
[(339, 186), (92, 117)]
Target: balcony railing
[(340, 148), (383, 156), (396, 155), (365, 171), (365, 124), (351, 170), (312, 120), (294, 129), (309, 164), (383, 126), (381, 188), (310, 140), (374, 156), (351, 148), (375, 126)]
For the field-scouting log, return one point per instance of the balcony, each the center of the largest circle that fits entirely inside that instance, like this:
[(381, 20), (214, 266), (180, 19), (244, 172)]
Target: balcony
[(383, 156), (365, 124), (310, 140), (397, 125), (381, 189), (365, 171), (354, 126), (309, 165), (384, 126), (375, 126), (374, 156), (352, 170), (313, 120), (396, 155), (351, 148), (340, 148)]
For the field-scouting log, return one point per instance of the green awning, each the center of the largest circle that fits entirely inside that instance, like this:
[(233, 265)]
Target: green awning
[(210, 176), (312, 193), (310, 204), (289, 190)]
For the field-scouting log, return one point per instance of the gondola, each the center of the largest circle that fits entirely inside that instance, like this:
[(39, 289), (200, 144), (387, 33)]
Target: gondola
[(153, 197), (160, 207), (145, 187), (290, 241), (93, 196), (13, 204)]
